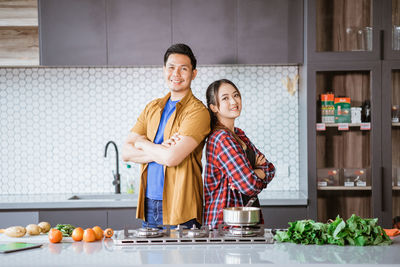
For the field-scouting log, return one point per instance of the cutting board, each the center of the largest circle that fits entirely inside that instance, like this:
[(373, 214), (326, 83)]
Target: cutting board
[(42, 238)]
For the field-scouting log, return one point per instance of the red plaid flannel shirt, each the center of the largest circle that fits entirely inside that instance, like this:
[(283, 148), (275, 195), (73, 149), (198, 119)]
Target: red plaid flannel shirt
[(228, 173)]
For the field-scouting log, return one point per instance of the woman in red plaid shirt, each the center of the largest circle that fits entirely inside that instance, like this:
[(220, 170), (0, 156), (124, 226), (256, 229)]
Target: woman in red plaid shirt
[(235, 170)]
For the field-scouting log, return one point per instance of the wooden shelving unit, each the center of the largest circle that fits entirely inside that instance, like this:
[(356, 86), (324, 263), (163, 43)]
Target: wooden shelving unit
[(345, 188), (19, 33)]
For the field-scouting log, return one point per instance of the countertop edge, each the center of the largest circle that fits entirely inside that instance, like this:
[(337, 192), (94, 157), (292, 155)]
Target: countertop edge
[(55, 201)]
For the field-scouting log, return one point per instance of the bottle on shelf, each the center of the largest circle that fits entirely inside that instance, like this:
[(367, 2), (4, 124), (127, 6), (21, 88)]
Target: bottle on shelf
[(327, 108), (366, 111)]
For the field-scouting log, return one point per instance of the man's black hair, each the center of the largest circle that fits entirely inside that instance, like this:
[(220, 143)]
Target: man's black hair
[(181, 49)]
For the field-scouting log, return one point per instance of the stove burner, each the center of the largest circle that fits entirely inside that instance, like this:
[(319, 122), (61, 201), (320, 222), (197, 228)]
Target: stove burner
[(244, 231), (148, 232), (194, 232), (181, 235)]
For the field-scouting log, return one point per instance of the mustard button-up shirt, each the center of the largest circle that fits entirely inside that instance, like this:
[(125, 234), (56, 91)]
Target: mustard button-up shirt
[(183, 184)]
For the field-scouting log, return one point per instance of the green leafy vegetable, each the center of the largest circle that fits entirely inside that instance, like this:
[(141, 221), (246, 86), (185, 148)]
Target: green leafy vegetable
[(66, 229), (355, 232)]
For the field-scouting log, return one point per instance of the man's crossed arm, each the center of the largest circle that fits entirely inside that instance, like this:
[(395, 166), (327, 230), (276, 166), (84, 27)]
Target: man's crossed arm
[(139, 149)]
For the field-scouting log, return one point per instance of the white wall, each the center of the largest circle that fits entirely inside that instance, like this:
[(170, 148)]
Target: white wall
[(55, 122)]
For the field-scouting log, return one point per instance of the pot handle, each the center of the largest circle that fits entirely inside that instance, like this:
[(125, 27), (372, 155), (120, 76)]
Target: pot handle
[(251, 201)]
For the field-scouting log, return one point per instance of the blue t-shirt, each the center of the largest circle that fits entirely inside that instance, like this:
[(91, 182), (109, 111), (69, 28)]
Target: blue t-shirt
[(155, 171)]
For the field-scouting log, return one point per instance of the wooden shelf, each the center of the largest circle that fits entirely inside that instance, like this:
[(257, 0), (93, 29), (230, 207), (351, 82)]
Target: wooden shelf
[(337, 124), (395, 123), (396, 187), (19, 46), (18, 13), (344, 188), (19, 33), (365, 126)]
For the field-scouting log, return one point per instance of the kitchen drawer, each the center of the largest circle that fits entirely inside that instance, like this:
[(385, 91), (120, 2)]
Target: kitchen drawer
[(22, 218)]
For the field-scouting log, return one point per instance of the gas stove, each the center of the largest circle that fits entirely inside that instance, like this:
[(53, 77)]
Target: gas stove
[(179, 236)]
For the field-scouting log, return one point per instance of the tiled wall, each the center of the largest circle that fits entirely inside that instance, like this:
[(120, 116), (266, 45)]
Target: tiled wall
[(55, 122)]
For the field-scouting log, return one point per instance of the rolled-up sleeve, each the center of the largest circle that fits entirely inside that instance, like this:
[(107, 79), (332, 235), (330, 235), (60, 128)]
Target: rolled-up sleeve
[(196, 124)]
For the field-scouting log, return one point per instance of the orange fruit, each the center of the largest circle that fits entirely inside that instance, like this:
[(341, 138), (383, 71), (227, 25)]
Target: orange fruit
[(89, 235), (108, 232), (98, 232), (55, 236), (77, 234)]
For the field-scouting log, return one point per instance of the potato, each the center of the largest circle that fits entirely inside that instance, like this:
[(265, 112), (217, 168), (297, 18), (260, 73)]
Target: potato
[(44, 226), (33, 229), (15, 231)]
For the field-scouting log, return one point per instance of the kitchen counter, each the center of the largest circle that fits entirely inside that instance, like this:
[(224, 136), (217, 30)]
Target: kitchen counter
[(61, 201), (105, 253)]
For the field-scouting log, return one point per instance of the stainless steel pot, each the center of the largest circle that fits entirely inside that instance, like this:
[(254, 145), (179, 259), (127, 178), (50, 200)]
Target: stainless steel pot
[(241, 216)]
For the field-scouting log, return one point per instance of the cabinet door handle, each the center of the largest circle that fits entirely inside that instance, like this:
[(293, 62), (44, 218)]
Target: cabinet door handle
[(382, 189), (381, 44)]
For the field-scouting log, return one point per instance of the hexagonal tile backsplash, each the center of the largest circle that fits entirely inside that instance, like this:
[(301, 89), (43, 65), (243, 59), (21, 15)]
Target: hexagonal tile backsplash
[(55, 122)]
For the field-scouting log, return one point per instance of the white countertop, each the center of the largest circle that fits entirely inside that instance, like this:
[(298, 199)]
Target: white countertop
[(105, 253), (61, 201)]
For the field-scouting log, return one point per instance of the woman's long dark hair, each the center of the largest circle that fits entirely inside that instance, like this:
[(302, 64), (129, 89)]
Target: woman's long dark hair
[(212, 99)]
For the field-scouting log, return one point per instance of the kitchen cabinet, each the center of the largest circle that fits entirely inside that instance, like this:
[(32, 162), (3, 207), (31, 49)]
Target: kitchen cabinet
[(126, 33), (208, 27), (391, 137), (278, 217), (119, 218), (138, 32), (21, 218), (391, 29), (270, 31), (85, 218), (344, 30), (72, 32), (341, 149), (364, 69)]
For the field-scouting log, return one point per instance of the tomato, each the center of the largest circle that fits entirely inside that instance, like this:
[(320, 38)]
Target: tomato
[(108, 232), (55, 236), (77, 234), (89, 235), (98, 232)]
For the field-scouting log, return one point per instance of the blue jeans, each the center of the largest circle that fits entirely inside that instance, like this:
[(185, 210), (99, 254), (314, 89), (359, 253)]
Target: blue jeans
[(154, 216)]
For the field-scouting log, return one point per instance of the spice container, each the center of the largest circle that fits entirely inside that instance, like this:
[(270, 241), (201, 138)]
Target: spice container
[(395, 113), (342, 110), (327, 108), (356, 114), (328, 177), (396, 176), (355, 177)]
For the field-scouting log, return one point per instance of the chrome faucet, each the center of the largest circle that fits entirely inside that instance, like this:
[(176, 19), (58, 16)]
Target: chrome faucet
[(117, 178)]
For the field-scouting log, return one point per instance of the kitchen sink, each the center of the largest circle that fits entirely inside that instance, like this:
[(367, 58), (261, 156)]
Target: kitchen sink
[(102, 197)]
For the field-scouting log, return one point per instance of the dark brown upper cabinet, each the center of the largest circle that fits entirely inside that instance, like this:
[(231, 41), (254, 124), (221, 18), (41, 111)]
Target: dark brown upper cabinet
[(72, 32), (138, 32), (208, 27), (391, 29), (344, 30), (270, 32)]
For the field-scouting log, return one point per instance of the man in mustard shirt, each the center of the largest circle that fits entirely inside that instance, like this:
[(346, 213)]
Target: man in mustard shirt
[(171, 186)]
